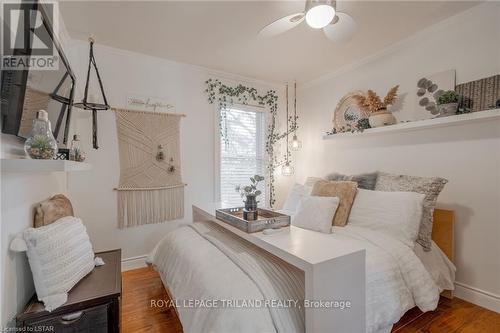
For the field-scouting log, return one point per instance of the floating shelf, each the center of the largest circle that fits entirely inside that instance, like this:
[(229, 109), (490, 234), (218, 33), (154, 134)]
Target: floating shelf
[(423, 124), (28, 165)]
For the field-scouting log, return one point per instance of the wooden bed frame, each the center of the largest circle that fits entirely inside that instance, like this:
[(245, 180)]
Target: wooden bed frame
[(442, 235)]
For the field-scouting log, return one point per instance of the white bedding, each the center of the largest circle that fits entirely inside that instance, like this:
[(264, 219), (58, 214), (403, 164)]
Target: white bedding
[(194, 268)]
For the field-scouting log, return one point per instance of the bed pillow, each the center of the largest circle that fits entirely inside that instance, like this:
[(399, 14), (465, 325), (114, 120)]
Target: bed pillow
[(430, 187), (297, 192), (344, 190), (52, 209), (60, 255), (316, 213), (365, 181), (396, 214)]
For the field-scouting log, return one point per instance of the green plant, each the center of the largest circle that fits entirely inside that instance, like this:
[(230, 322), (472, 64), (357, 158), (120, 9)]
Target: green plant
[(252, 188), (449, 96), (41, 142), (363, 124)]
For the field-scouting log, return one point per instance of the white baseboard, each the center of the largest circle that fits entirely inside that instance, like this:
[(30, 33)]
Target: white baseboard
[(134, 262), (477, 296)]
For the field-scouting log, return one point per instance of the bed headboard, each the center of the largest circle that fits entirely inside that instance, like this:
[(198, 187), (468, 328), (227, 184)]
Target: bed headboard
[(442, 230), (442, 235)]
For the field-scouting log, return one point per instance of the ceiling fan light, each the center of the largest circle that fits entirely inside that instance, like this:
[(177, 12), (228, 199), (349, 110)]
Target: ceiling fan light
[(319, 16)]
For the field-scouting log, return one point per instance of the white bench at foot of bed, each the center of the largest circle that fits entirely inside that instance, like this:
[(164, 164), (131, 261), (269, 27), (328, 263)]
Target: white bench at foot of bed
[(334, 271)]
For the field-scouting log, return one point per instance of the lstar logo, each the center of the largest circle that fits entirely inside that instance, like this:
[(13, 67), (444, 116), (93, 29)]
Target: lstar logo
[(27, 36)]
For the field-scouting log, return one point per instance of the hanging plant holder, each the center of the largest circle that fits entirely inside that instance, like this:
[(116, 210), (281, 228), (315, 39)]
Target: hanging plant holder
[(85, 104)]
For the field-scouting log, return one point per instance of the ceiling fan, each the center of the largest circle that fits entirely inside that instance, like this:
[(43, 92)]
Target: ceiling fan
[(337, 26)]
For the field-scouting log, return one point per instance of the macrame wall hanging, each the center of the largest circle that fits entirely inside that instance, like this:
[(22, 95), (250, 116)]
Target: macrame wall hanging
[(151, 188)]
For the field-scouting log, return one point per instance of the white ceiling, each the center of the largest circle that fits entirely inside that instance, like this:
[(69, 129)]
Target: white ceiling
[(223, 35)]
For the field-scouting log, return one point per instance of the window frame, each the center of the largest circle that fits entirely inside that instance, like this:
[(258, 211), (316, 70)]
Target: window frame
[(217, 150)]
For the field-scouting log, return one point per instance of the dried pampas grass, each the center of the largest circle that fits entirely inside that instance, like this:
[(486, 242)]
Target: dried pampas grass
[(372, 101)]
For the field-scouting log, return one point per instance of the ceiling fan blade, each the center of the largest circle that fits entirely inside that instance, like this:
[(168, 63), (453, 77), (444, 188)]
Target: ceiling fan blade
[(281, 25), (342, 29)]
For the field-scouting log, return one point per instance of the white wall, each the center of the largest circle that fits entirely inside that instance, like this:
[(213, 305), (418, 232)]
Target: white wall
[(468, 156), (20, 192), (125, 73)]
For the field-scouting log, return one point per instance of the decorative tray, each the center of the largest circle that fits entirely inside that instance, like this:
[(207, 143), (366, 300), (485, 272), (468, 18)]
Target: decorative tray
[(266, 219)]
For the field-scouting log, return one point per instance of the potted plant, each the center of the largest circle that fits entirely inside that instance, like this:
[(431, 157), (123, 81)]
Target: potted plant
[(250, 193), (379, 115), (448, 103)]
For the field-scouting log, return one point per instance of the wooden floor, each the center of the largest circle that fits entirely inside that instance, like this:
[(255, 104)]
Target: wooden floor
[(140, 286)]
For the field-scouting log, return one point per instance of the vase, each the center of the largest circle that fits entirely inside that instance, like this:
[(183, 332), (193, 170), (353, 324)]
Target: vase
[(251, 203), (381, 118), (448, 109), (41, 144), (250, 210)]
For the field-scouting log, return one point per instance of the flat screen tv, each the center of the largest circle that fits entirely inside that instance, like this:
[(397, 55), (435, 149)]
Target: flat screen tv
[(24, 92)]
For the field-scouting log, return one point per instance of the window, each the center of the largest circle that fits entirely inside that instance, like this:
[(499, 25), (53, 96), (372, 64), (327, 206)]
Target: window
[(242, 155)]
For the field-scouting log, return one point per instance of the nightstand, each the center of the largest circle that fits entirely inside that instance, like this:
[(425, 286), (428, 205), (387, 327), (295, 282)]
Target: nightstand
[(93, 304)]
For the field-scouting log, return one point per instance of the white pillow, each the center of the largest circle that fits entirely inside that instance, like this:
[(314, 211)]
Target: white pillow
[(298, 192), (397, 214), (60, 255), (316, 213)]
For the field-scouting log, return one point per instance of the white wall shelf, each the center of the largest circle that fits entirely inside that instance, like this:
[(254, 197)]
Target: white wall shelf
[(28, 165), (423, 124)]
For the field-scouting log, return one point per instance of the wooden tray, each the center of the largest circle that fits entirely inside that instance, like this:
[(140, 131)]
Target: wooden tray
[(266, 219)]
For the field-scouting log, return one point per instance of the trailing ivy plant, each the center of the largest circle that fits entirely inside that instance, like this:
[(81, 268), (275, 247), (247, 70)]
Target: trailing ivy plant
[(225, 96)]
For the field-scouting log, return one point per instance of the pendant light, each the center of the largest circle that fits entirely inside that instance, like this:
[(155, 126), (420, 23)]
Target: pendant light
[(94, 106), (287, 168), (296, 143)]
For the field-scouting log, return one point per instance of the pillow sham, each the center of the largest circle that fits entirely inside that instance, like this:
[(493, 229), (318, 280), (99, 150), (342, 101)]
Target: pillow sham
[(396, 214), (344, 190), (60, 255), (297, 192), (316, 213), (365, 181), (52, 209), (430, 187)]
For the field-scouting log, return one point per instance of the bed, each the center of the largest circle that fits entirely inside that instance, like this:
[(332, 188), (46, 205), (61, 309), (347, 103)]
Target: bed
[(201, 262)]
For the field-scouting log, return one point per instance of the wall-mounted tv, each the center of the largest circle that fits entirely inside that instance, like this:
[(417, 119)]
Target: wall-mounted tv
[(25, 91)]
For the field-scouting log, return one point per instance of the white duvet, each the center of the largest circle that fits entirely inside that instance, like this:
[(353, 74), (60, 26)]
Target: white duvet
[(194, 266)]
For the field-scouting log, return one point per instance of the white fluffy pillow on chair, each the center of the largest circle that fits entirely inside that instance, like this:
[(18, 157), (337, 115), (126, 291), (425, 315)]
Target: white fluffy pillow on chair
[(60, 255), (316, 213)]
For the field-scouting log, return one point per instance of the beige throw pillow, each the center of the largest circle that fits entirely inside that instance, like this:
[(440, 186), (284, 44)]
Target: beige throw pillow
[(52, 209), (344, 190)]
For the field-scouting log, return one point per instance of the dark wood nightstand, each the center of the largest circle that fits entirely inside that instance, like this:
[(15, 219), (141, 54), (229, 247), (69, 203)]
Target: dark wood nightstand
[(93, 304)]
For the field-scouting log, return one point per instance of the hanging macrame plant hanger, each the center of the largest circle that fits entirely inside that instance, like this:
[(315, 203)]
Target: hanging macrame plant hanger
[(85, 104)]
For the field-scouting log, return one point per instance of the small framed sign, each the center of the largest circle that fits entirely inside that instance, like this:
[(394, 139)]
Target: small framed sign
[(145, 103)]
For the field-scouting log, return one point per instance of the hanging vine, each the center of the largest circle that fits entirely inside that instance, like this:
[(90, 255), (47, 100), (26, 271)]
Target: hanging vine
[(226, 96)]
